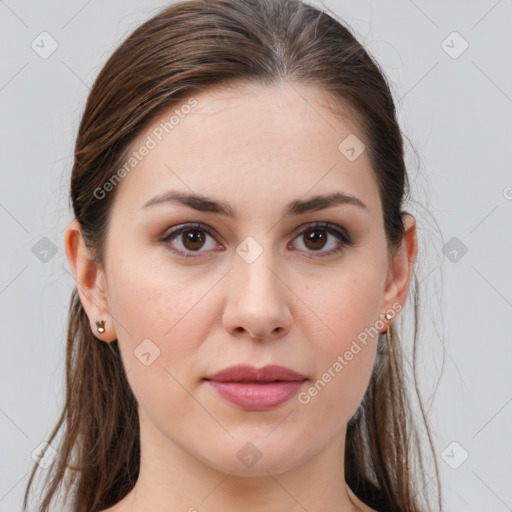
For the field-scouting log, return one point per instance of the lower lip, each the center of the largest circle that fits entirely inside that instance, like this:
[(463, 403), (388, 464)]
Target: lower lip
[(257, 397)]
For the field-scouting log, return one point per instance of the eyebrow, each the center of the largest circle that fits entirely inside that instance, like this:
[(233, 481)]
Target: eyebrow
[(296, 207)]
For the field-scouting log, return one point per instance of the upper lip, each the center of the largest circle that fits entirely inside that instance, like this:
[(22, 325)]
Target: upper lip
[(245, 373)]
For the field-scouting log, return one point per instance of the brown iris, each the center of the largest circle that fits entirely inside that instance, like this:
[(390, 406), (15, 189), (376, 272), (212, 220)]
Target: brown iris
[(317, 238), (193, 239)]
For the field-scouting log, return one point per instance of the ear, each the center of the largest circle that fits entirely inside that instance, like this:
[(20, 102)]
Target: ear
[(400, 271), (90, 281)]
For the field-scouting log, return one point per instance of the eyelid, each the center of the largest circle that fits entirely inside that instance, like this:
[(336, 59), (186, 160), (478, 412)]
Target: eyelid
[(324, 225), (187, 226)]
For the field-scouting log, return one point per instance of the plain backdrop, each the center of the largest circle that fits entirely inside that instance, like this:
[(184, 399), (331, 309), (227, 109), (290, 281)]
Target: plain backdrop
[(449, 68)]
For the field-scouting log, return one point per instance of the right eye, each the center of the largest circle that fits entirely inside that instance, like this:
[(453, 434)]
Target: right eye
[(192, 238)]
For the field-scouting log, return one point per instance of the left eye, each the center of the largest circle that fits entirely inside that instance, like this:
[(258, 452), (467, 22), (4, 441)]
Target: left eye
[(314, 237), (318, 235)]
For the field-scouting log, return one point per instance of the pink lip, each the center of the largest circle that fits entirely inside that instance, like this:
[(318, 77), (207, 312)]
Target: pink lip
[(247, 373), (257, 389)]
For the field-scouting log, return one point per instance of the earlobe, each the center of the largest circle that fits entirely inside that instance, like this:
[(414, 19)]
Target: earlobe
[(402, 267), (90, 282)]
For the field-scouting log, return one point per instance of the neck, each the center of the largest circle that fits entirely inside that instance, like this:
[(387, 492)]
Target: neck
[(173, 479)]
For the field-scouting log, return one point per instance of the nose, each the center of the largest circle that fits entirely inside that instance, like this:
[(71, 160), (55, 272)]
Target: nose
[(259, 302)]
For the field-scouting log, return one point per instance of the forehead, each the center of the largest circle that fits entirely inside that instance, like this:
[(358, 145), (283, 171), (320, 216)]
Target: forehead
[(252, 142)]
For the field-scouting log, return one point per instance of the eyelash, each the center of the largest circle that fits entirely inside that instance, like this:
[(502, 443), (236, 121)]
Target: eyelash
[(332, 229)]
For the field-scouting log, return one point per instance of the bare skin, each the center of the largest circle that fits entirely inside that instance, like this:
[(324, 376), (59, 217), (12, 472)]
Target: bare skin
[(256, 148)]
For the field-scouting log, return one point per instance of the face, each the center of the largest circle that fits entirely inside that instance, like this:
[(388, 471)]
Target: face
[(257, 284)]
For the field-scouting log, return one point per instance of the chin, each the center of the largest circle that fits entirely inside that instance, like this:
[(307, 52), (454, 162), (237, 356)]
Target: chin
[(258, 458)]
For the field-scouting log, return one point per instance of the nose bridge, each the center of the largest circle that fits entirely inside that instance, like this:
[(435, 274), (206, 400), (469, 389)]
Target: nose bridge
[(253, 265)]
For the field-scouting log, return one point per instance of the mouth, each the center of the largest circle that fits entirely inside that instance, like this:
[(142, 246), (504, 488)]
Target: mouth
[(257, 396), (248, 373), (255, 389)]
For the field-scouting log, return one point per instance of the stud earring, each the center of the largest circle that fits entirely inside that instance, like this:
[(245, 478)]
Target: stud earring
[(388, 330), (100, 326)]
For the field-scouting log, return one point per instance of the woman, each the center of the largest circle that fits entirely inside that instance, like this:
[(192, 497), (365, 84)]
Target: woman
[(240, 254)]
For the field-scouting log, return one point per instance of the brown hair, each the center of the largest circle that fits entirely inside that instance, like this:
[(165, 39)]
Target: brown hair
[(187, 47)]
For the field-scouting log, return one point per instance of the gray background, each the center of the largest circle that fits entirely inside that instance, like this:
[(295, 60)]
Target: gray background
[(455, 110)]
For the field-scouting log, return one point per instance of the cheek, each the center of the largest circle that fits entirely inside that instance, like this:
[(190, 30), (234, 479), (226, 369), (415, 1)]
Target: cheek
[(347, 303), (344, 364), (160, 326), (165, 317), (147, 303), (345, 342)]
